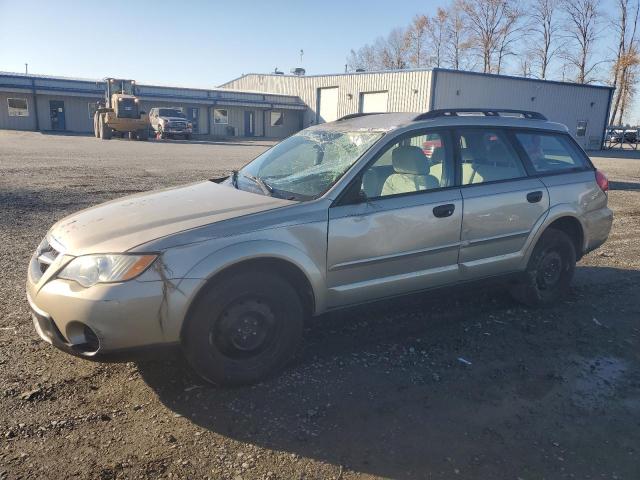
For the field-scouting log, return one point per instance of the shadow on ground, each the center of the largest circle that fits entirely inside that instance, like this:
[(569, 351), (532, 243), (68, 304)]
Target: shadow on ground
[(444, 383)]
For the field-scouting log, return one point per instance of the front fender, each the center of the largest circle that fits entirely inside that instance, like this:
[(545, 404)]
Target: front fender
[(218, 261)]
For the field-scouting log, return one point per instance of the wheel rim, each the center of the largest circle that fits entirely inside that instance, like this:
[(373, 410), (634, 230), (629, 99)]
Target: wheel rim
[(244, 329), (549, 270)]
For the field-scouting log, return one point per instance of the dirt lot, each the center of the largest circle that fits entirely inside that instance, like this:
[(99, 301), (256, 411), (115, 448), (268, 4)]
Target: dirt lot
[(378, 391)]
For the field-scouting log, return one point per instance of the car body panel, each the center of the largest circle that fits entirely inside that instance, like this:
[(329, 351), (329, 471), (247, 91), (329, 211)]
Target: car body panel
[(120, 225), (498, 219), (392, 245)]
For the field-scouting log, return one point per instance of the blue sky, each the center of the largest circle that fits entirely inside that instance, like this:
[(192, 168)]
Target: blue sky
[(195, 43)]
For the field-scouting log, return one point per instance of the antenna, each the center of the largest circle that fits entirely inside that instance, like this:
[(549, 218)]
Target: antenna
[(26, 69), (301, 55)]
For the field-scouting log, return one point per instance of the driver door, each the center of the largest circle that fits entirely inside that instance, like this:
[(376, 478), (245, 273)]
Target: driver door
[(403, 233)]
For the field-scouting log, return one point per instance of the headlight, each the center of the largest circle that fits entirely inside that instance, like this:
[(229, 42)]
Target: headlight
[(91, 269)]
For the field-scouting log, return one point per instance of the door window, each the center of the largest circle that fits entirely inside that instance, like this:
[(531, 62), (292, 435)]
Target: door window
[(487, 156), (415, 163), (551, 152)]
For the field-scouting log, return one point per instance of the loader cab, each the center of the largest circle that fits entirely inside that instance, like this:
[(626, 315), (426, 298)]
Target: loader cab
[(121, 97)]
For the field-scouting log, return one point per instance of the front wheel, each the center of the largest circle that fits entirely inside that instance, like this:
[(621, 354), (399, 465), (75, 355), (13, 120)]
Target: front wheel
[(244, 328), (549, 271)]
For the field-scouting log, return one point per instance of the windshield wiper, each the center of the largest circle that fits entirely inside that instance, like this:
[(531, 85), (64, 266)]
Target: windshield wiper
[(264, 186)]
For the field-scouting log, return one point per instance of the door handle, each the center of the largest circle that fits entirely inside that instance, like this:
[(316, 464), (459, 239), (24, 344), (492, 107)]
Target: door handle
[(534, 197), (442, 211)]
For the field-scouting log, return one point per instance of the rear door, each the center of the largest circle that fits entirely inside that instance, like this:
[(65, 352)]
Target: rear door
[(403, 233), (501, 202)]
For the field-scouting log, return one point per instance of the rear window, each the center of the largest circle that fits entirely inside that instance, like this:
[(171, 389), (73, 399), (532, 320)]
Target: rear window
[(551, 152)]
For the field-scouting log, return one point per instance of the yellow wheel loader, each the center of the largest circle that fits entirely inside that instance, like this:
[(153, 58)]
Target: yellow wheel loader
[(119, 113)]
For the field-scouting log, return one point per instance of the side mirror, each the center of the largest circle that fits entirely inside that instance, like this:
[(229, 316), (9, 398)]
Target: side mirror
[(354, 193)]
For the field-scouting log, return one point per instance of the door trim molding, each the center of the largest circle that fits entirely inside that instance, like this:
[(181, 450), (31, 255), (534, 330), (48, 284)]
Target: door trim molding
[(393, 256)]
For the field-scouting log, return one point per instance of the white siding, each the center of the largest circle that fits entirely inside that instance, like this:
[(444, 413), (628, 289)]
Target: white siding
[(408, 91), (559, 102)]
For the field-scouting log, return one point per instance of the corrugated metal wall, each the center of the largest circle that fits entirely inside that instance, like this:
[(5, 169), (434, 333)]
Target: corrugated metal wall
[(76, 112), (559, 102), (17, 123), (408, 91), (77, 94), (411, 91)]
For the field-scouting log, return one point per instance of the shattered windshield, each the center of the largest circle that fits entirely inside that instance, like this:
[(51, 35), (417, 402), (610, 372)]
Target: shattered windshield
[(307, 164)]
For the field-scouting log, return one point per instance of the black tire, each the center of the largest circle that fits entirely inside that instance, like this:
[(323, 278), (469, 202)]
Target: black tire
[(143, 134), (187, 136), (549, 271), (105, 131), (132, 135), (96, 130), (243, 328)]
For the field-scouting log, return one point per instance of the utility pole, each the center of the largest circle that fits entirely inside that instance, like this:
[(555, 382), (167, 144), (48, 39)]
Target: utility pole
[(26, 69), (301, 55)]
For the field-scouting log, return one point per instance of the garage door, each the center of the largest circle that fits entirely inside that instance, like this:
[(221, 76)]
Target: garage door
[(328, 108), (371, 102)]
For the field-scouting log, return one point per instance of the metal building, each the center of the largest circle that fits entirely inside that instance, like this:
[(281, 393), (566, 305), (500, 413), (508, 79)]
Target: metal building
[(45, 103), (583, 108)]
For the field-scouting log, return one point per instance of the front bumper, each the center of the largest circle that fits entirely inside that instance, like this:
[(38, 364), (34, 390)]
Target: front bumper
[(106, 320)]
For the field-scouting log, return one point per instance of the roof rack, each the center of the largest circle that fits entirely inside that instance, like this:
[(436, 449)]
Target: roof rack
[(356, 115), (494, 112)]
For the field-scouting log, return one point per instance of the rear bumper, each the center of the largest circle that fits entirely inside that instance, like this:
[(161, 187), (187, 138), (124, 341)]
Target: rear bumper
[(597, 226)]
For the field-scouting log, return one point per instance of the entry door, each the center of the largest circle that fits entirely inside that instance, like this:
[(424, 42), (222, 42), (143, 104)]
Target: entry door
[(405, 236), (249, 123), (193, 114), (327, 105), (56, 109), (501, 204)]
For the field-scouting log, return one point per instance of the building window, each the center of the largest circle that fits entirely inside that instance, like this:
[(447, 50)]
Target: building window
[(220, 116), (18, 107), (277, 119), (92, 109)]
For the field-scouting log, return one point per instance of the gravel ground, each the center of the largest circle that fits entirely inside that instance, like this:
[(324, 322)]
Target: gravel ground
[(378, 391)]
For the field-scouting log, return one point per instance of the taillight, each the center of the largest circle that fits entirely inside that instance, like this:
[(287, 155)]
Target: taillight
[(602, 181)]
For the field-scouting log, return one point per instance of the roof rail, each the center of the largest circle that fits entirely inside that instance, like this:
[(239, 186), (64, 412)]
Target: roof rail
[(493, 112), (356, 115)]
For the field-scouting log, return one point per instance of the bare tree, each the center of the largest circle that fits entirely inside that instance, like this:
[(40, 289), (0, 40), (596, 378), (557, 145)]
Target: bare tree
[(437, 31), (544, 28), (625, 63), (583, 18), (492, 24), (362, 59), (416, 38), (509, 33), (393, 51), (457, 38)]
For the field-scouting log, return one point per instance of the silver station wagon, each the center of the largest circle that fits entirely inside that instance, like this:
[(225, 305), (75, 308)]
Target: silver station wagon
[(367, 207)]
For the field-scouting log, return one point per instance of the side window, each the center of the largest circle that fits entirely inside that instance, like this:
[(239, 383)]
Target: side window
[(412, 164), (487, 156), (551, 152)]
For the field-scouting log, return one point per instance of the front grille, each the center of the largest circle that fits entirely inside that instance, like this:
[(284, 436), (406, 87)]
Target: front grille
[(178, 124), (45, 255)]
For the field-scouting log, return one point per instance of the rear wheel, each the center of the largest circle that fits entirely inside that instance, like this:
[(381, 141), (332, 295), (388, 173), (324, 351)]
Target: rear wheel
[(549, 271), (244, 328), (105, 131), (143, 134)]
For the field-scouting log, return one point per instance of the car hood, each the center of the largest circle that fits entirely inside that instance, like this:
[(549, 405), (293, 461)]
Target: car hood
[(120, 225), (174, 119)]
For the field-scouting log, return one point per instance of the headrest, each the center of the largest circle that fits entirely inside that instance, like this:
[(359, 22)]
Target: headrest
[(437, 156), (409, 159)]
